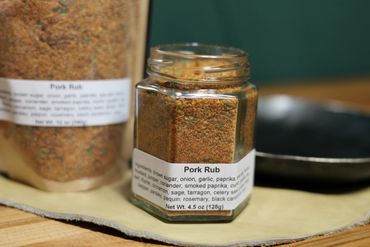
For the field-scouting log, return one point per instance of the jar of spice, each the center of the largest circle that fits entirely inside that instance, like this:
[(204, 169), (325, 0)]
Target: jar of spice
[(194, 149)]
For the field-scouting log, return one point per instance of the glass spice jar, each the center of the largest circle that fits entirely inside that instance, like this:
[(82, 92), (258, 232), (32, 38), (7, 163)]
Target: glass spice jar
[(194, 134)]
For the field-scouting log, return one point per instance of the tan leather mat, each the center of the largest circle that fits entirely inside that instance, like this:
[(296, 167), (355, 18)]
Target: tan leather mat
[(273, 215)]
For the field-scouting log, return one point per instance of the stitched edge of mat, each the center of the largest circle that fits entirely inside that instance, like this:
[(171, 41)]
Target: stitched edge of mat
[(143, 234)]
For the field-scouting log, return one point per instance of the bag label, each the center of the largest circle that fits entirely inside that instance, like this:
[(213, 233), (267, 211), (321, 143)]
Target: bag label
[(195, 187), (65, 103)]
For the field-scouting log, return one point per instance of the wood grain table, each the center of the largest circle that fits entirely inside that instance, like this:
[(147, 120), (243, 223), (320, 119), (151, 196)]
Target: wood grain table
[(19, 228)]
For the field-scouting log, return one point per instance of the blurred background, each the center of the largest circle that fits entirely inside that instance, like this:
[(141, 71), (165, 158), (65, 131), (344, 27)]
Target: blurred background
[(288, 41)]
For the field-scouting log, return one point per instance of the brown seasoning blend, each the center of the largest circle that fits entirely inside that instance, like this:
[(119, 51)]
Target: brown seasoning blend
[(65, 40)]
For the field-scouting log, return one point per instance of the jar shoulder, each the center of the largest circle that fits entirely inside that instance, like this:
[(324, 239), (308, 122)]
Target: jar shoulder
[(172, 89)]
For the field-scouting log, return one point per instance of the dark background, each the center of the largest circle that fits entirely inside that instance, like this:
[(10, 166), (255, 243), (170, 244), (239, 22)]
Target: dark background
[(288, 41)]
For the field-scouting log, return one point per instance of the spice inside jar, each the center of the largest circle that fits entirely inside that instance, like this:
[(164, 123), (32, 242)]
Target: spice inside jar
[(194, 131)]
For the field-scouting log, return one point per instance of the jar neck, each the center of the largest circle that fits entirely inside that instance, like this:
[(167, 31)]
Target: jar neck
[(190, 64)]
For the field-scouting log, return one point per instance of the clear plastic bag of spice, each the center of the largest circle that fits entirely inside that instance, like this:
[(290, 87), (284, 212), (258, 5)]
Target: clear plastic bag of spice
[(64, 91)]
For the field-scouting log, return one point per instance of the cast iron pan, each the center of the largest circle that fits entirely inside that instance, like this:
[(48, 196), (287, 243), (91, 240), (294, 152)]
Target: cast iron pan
[(299, 139)]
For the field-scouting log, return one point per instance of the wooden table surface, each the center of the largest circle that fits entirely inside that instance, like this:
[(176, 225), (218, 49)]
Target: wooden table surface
[(19, 228)]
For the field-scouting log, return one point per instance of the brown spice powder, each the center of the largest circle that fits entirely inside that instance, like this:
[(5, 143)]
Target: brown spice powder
[(187, 130), (196, 129), (65, 40)]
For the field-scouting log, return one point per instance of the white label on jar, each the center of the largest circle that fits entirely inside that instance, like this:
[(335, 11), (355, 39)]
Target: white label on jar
[(65, 103), (200, 187)]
